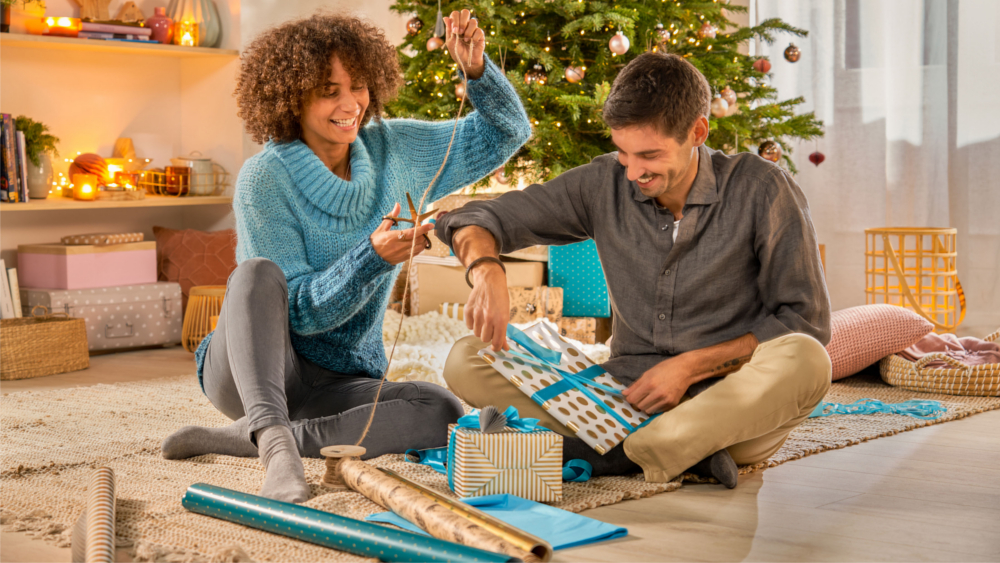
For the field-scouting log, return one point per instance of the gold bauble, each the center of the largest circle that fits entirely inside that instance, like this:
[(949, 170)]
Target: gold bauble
[(574, 74), (414, 26), (792, 53), (536, 76), (769, 150), (501, 176), (434, 43), (460, 90), (719, 107), (618, 44), (729, 95), (707, 31)]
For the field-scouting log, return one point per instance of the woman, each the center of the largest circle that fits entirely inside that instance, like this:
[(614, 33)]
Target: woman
[(297, 354)]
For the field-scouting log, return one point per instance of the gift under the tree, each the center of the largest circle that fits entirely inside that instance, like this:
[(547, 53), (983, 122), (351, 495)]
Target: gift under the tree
[(453, 202), (522, 459), (587, 330), (577, 269), (526, 304), (572, 388)]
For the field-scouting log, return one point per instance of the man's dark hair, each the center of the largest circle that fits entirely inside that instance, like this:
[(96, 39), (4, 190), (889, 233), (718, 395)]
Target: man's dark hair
[(658, 89)]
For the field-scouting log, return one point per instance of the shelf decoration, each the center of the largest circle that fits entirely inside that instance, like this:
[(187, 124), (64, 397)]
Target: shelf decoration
[(127, 180), (62, 27), (85, 187), (186, 33), (199, 19), (162, 26), (131, 13)]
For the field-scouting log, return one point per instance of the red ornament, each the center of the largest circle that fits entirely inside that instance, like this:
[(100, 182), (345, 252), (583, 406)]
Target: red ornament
[(762, 65), (817, 158)]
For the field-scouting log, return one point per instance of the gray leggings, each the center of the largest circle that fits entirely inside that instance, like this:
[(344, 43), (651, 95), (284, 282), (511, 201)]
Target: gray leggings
[(252, 370)]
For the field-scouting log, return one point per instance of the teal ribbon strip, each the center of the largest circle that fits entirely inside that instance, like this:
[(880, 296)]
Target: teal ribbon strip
[(924, 410), (579, 381), (326, 529), (577, 470)]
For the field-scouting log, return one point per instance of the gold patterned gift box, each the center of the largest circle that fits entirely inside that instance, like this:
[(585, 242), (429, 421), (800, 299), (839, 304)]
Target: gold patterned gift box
[(526, 464), (566, 383)]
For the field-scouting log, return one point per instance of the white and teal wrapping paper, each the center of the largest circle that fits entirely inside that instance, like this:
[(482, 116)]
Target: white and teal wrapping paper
[(576, 268), (566, 383)]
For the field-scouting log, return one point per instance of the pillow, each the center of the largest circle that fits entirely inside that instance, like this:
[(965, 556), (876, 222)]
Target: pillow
[(861, 336), (192, 257)]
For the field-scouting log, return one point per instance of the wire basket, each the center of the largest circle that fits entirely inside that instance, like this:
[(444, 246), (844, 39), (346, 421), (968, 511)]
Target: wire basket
[(181, 181)]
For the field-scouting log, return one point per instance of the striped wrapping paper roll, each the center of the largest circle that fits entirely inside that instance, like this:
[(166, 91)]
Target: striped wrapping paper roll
[(526, 464), (101, 517), (326, 529)]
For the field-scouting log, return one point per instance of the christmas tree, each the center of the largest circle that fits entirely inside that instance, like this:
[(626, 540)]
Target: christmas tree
[(558, 55)]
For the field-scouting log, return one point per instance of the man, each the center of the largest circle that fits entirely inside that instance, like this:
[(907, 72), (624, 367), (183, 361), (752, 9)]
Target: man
[(712, 268)]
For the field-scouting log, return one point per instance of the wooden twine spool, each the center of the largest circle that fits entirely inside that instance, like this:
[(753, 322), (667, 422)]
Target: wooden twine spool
[(204, 302), (335, 456)]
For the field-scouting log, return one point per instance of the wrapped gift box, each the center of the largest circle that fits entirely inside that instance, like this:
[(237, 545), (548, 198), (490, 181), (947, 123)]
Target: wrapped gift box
[(577, 269), (453, 202), (526, 304), (526, 464), (118, 317), (567, 384), (434, 281), (588, 330), (58, 266)]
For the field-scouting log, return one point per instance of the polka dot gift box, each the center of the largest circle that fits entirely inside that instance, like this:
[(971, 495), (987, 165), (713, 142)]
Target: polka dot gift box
[(126, 316), (577, 269), (567, 384)]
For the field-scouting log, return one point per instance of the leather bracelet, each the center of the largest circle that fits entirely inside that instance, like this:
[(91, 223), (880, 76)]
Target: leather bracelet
[(479, 260)]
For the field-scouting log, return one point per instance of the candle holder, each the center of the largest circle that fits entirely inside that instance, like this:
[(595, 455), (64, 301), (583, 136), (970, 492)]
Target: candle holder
[(62, 27), (85, 187), (178, 180), (127, 180), (186, 33)]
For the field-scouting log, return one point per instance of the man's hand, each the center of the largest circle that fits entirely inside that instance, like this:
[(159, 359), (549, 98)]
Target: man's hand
[(394, 246), (662, 386), (470, 42), (488, 309)]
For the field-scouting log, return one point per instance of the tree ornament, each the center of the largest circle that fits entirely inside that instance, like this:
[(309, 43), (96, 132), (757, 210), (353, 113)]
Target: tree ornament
[(769, 150), (792, 53), (817, 158), (439, 29), (535, 76), (460, 90), (414, 26), (434, 43), (728, 95), (720, 107), (619, 44), (662, 34), (575, 74), (762, 65), (501, 176), (707, 31)]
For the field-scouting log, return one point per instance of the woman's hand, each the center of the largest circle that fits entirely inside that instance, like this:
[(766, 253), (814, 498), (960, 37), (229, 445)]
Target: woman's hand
[(470, 38), (394, 246)]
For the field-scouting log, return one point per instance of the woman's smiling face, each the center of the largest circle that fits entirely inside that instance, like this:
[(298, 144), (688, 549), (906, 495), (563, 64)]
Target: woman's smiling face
[(333, 113)]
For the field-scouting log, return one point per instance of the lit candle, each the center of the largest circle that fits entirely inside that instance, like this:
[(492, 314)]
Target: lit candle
[(186, 33), (128, 180), (85, 187), (64, 27)]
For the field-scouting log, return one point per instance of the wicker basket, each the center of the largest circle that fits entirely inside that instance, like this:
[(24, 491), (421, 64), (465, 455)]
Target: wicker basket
[(42, 345), (204, 302), (960, 379)]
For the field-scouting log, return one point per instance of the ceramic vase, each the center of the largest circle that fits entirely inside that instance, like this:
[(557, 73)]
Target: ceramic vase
[(161, 25), (205, 13), (40, 177), (6, 19)]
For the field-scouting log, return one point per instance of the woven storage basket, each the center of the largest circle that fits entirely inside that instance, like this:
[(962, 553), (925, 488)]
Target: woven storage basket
[(959, 379), (204, 302), (42, 345)]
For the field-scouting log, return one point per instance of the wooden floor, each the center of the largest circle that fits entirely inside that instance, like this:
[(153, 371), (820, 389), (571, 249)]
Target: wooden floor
[(928, 495)]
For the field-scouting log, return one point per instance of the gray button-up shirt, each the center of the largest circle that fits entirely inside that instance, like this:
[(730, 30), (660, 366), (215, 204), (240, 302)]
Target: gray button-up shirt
[(745, 261)]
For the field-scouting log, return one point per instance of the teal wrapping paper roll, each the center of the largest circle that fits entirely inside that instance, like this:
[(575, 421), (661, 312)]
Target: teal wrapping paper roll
[(326, 529)]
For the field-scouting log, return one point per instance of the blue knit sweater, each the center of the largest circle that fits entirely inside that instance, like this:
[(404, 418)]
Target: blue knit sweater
[(315, 226)]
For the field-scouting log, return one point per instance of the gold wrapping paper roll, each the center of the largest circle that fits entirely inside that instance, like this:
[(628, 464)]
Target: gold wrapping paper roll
[(101, 517), (433, 517)]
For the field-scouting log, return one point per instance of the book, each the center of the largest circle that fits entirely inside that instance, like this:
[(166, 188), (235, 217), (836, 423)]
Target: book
[(95, 35), (10, 167), (116, 28), (6, 302), (15, 291), (22, 166), (3, 170)]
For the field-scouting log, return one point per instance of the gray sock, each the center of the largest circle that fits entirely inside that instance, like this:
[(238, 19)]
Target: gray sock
[(190, 441), (286, 478)]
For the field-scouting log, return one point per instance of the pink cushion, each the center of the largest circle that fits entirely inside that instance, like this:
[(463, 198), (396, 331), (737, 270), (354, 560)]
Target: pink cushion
[(861, 336)]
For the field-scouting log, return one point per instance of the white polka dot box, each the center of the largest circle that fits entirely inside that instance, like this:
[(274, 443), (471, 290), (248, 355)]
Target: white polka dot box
[(589, 403), (126, 316)]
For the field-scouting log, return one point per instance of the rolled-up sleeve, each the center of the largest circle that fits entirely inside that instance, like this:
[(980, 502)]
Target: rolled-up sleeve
[(791, 282)]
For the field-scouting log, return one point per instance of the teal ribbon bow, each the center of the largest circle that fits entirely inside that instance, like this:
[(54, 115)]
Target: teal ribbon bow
[(471, 420), (924, 410), (579, 381)]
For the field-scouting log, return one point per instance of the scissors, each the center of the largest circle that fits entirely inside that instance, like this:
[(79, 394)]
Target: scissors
[(415, 218)]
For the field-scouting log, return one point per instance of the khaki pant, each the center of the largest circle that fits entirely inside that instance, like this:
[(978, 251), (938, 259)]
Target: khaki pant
[(750, 412)]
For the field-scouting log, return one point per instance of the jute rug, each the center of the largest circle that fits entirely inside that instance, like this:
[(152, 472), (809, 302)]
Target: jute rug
[(53, 439)]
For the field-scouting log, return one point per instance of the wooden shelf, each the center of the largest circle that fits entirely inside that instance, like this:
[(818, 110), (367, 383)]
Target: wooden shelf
[(74, 44), (62, 203)]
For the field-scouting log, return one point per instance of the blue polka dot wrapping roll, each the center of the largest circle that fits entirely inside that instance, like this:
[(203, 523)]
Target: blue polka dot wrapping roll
[(326, 529)]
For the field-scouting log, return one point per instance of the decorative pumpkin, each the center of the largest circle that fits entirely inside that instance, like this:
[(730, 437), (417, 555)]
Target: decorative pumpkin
[(90, 163)]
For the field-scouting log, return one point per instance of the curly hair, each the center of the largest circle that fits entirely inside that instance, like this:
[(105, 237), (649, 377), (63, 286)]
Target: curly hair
[(285, 65)]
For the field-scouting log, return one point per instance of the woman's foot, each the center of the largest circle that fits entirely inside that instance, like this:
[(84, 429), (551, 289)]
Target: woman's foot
[(719, 465), (192, 441), (286, 478)]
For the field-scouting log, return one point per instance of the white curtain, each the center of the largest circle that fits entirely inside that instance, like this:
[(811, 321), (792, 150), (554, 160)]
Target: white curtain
[(909, 91)]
